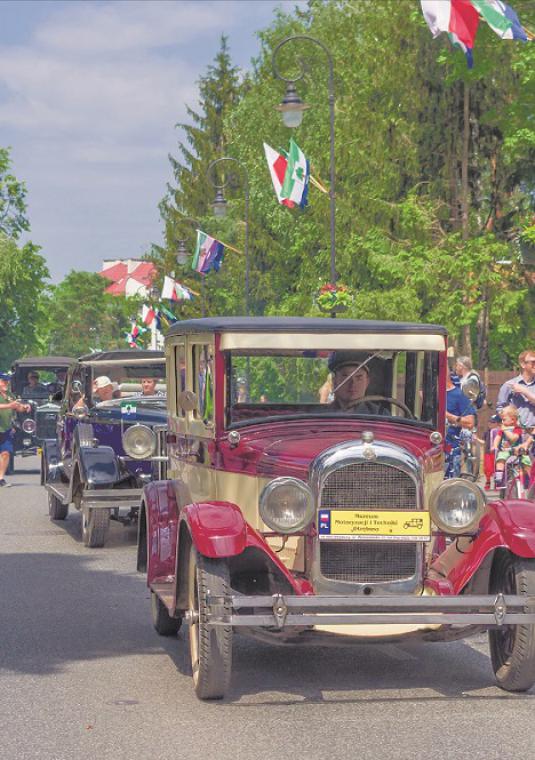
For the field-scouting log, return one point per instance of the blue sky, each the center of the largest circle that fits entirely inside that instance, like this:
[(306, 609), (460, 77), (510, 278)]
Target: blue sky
[(89, 95)]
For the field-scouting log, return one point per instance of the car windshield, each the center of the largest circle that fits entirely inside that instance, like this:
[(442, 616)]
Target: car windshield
[(40, 382), (382, 384), (112, 381)]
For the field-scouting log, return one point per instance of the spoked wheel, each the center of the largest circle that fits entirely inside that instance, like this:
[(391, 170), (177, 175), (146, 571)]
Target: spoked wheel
[(512, 647), (56, 509), (164, 624), (95, 524), (210, 646)]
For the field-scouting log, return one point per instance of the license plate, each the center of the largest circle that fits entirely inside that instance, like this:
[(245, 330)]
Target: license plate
[(354, 525)]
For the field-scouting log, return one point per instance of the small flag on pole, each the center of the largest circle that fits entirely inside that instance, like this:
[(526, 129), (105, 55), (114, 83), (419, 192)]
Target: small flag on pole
[(460, 20), (290, 175), (296, 179), (174, 291), (208, 253), (147, 315)]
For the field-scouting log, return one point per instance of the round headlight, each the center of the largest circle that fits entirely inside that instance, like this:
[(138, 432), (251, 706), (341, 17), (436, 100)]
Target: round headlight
[(139, 442), (457, 506), (286, 505), (29, 426)]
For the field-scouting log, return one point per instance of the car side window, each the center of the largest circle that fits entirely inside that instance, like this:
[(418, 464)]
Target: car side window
[(180, 376), (203, 382)]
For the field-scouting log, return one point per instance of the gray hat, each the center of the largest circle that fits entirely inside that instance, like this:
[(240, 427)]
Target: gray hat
[(340, 359)]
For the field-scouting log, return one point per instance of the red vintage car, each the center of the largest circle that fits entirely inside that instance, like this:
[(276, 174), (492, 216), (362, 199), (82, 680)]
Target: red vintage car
[(305, 499)]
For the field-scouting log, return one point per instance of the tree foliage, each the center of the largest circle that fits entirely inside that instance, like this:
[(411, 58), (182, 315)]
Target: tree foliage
[(13, 218), (428, 203), (23, 275), (84, 318)]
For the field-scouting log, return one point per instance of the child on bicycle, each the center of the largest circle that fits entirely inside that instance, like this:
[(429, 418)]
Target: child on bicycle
[(509, 436)]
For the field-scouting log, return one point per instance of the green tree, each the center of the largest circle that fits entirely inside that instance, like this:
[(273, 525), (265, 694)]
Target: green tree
[(13, 218), (189, 196), (85, 318), (23, 275)]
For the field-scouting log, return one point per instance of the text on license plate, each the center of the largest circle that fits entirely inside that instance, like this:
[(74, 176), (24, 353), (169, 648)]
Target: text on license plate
[(344, 524)]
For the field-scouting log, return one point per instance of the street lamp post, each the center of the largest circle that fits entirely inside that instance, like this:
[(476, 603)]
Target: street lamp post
[(220, 209), (292, 108)]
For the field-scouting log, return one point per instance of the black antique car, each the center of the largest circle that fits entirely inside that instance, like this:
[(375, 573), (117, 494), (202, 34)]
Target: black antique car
[(109, 439), (37, 380)]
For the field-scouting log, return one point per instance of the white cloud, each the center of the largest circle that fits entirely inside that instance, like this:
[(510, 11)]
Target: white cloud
[(89, 104), (90, 29)]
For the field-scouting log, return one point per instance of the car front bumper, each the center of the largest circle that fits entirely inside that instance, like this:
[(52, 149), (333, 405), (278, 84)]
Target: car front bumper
[(279, 611)]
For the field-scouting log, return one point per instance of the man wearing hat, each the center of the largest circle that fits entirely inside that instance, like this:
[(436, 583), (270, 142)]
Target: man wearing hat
[(351, 377), (8, 405), (102, 389)]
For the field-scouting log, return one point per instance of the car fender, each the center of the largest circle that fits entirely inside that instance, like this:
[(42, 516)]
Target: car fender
[(505, 524), (51, 458), (97, 466), (217, 528), (157, 527)]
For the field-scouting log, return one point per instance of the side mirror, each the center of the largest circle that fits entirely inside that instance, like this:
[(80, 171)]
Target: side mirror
[(187, 400), (471, 388)]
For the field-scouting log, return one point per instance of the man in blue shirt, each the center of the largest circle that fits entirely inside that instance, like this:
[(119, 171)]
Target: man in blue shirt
[(459, 414)]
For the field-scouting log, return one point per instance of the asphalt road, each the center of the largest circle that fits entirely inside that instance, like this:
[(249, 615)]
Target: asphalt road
[(84, 675)]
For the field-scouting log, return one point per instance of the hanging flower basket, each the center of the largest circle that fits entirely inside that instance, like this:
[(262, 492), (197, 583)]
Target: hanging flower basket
[(333, 298)]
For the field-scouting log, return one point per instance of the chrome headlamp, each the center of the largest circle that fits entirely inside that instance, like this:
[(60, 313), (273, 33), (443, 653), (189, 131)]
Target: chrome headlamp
[(286, 505), (457, 506), (139, 442), (29, 426)]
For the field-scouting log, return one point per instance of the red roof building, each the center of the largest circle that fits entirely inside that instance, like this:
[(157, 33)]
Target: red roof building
[(129, 277)]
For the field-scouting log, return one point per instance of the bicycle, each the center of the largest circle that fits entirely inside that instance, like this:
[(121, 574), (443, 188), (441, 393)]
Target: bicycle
[(463, 460)]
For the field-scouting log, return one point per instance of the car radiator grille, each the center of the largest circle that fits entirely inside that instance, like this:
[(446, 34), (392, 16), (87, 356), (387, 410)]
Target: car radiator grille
[(45, 424), (363, 486), (367, 561)]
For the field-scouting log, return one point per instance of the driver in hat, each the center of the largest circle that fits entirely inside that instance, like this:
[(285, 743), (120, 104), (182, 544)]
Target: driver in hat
[(351, 377)]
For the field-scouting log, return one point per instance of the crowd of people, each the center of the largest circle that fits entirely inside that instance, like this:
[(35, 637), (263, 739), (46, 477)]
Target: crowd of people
[(511, 431)]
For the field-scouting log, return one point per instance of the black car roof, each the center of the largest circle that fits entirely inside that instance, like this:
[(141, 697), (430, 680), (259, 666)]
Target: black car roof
[(301, 324), (44, 361), (134, 353)]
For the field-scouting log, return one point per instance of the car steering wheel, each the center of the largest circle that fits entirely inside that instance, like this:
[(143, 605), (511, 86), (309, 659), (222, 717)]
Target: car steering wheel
[(388, 399)]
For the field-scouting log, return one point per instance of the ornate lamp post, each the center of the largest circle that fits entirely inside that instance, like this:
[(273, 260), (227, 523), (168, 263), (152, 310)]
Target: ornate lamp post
[(220, 208), (292, 109)]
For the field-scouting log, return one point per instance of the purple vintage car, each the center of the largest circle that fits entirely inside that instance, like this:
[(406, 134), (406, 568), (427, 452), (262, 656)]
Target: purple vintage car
[(109, 439)]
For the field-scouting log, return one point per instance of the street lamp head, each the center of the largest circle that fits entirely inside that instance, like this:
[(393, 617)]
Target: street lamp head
[(182, 254), (292, 107), (154, 293), (220, 204)]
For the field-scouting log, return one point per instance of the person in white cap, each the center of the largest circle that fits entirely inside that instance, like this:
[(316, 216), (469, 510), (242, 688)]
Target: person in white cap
[(102, 388)]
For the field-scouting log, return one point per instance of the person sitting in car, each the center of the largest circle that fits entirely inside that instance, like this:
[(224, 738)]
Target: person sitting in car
[(103, 389), (57, 385), (33, 385), (351, 377), (148, 387)]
